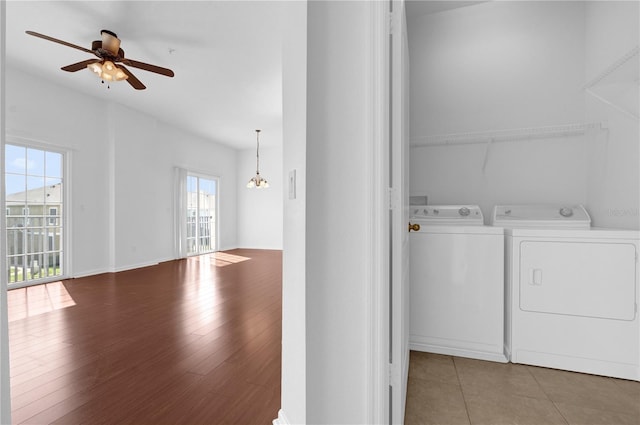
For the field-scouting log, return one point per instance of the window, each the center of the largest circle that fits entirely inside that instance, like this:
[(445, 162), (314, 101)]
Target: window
[(34, 203)]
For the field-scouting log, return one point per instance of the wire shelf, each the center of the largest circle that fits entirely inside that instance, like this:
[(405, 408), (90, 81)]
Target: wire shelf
[(507, 135)]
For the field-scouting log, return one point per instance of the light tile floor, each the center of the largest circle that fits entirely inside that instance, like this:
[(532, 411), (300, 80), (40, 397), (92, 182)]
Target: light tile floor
[(448, 390)]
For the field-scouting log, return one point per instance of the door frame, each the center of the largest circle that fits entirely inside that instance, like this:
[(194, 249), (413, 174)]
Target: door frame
[(399, 187), (384, 75), (5, 387), (378, 314)]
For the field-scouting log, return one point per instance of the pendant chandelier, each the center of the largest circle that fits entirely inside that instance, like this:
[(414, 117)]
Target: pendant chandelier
[(257, 181)]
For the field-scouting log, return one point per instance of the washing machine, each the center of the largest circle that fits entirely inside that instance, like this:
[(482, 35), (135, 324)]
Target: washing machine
[(456, 283), (571, 291)]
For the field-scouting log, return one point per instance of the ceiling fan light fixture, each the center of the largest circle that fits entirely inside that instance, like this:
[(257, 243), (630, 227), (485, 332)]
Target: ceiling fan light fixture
[(112, 73), (109, 53), (108, 71), (95, 68)]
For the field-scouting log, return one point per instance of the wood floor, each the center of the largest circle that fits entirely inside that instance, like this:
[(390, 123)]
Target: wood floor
[(195, 341)]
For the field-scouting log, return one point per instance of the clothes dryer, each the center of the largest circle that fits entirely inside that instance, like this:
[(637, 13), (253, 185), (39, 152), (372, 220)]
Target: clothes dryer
[(571, 291)]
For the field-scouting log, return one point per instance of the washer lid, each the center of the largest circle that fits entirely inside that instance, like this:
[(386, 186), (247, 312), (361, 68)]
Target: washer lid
[(559, 216), (447, 214)]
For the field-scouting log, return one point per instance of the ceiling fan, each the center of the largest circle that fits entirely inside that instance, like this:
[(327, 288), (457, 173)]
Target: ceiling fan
[(109, 54)]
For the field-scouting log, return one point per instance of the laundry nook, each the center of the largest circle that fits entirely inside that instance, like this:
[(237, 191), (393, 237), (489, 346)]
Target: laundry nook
[(420, 212), (524, 139)]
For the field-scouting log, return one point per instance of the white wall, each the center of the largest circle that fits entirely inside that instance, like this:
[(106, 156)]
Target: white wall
[(122, 164), (294, 256), (338, 150), (495, 66), (200, 155), (544, 171), (330, 140), (146, 152), (41, 111), (142, 190), (260, 210), (614, 166)]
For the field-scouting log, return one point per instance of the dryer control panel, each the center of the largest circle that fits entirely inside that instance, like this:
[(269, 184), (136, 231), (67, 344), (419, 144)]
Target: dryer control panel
[(563, 216)]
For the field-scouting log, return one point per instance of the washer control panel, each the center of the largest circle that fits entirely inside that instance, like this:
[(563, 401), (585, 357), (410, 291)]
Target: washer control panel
[(447, 214)]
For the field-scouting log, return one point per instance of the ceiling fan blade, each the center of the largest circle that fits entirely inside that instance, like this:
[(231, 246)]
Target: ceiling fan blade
[(135, 83), (55, 40), (80, 65), (148, 67)]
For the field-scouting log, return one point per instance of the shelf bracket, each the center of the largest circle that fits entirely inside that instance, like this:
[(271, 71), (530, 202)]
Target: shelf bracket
[(613, 105), (486, 154)]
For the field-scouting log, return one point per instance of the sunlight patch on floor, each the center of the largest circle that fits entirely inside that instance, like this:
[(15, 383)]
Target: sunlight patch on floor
[(34, 300), (224, 259)]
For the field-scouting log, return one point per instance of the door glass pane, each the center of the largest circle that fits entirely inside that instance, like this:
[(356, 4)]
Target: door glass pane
[(53, 239), (14, 187), (53, 165), (34, 208), (15, 160), (35, 183), (14, 241), (201, 214), (35, 162)]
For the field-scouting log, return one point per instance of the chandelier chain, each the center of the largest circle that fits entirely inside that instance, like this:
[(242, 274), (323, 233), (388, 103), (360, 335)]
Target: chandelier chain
[(257, 151)]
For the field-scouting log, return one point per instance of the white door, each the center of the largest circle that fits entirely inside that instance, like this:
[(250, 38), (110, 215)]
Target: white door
[(399, 213), (35, 209)]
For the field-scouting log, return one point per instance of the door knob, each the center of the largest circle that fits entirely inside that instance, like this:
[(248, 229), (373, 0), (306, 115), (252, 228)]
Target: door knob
[(415, 227)]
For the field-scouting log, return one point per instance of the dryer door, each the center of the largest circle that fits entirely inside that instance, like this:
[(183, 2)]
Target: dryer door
[(578, 278)]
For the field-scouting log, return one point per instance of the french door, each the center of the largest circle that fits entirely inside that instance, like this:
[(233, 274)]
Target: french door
[(201, 214), (35, 207)]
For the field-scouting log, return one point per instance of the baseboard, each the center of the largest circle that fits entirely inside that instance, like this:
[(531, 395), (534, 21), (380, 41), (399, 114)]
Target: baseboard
[(577, 364), (281, 419), (227, 248), (507, 352), (405, 380), (472, 354), (266, 247), (136, 266), (86, 273), (407, 359), (90, 273)]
